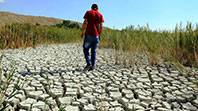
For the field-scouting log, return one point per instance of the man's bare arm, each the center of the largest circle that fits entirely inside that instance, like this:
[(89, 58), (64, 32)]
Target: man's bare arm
[(83, 28), (101, 27)]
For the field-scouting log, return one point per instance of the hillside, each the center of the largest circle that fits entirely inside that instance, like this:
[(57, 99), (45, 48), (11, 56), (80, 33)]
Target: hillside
[(7, 17)]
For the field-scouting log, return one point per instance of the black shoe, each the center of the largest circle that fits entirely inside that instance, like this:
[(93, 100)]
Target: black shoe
[(91, 69), (87, 67)]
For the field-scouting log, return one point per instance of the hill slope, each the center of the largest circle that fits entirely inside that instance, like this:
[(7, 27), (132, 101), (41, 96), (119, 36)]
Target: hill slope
[(7, 18)]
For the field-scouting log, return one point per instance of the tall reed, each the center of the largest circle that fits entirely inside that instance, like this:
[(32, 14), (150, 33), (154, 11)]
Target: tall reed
[(180, 45), (27, 35)]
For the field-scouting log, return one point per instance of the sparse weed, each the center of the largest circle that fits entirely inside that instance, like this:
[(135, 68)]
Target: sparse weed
[(133, 108), (62, 108), (48, 82), (4, 84)]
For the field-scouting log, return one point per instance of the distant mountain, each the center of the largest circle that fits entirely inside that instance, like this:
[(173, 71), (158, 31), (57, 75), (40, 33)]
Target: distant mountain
[(7, 18)]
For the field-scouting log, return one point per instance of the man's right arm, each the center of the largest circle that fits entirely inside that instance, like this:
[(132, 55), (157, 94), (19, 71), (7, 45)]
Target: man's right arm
[(101, 26), (83, 28)]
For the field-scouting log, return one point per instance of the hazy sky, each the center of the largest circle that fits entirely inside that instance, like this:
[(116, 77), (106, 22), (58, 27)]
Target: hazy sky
[(159, 14)]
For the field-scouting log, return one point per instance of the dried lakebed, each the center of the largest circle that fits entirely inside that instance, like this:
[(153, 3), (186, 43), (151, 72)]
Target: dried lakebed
[(53, 79)]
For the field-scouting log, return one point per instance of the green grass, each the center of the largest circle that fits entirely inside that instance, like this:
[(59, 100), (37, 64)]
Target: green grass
[(181, 44), (27, 35)]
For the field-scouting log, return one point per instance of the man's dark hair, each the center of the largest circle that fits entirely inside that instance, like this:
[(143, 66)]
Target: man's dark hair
[(94, 7)]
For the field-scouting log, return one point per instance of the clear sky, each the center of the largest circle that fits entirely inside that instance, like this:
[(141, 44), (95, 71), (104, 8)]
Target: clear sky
[(159, 14)]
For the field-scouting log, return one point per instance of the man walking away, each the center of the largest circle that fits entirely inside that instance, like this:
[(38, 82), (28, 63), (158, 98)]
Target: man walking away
[(93, 23)]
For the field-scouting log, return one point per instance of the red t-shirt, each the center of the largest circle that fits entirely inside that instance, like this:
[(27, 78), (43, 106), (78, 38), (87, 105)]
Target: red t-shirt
[(93, 18)]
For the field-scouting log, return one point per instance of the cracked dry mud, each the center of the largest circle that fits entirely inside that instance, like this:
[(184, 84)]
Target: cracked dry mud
[(53, 79)]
